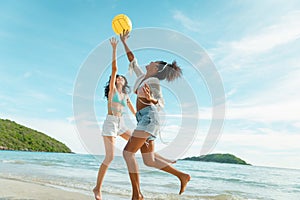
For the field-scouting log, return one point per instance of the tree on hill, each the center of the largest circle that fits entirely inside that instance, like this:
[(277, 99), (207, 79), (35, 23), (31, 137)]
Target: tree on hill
[(14, 136), (220, 158)]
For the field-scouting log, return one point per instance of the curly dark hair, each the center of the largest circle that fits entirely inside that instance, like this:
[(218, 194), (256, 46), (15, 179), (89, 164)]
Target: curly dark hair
[(168, 71), (125, 89)]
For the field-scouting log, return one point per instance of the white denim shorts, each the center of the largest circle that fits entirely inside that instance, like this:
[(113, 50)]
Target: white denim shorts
[(113, 126)]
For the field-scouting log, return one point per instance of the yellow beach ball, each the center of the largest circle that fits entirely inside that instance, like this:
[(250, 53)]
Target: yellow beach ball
[(121, 22)]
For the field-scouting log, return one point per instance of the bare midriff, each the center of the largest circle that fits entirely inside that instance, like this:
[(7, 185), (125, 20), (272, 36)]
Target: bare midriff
[(140, 105), (115, 109)]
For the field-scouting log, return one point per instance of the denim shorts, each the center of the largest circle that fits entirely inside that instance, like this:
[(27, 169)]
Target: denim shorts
[(148, 121), (113, 126)]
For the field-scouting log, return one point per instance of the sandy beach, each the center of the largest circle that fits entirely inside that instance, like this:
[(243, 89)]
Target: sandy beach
[(14, 189)]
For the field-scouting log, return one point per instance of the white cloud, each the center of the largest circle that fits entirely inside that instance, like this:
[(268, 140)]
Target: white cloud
[(186, 22), (281, 111), (285, 31), (268, 146), (274, 98), (231, 92), (297, 124), (280, 102), (265, 102), (254, 47)]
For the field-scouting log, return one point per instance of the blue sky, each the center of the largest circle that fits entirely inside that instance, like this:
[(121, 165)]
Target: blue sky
[(254, 45)]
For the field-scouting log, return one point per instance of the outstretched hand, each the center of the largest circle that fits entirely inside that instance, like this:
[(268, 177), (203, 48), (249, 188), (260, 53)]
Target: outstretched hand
[(124, 36), (147, 92), (113, 42)]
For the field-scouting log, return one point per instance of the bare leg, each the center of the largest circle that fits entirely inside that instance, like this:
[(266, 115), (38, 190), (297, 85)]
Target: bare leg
[(109, 143), (151, 161), (157, 156), (126, 135), (136, 141)]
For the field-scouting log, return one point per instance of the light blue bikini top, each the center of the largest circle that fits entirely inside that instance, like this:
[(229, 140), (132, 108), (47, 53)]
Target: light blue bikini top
[(116, 99)]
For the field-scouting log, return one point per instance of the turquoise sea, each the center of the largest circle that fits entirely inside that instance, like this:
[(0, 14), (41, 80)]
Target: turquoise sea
[(77, 172)]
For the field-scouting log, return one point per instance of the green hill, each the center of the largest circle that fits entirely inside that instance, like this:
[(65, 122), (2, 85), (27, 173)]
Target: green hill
[(220, 158), (14, 136)]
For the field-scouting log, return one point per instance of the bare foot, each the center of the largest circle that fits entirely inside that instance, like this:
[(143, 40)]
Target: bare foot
[(171, 161), (97, 194), (184, 179)]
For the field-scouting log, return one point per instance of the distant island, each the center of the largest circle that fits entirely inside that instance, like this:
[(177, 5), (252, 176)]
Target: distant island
[(14, 136), (219, 158)]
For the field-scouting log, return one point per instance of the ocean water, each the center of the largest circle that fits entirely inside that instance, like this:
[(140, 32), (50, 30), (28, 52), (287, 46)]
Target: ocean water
[(214, 181)]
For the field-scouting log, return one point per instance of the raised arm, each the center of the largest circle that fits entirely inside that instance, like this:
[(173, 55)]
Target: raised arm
[(133, 62), (123, 37), (114, 67)]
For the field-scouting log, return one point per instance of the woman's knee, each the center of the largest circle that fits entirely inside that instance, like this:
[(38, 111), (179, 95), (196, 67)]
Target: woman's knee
[(149, 162), (108, 159), (128, 155)]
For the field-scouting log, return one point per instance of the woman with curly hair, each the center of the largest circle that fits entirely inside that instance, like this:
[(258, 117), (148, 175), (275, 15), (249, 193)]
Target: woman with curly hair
[(149, 101)]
